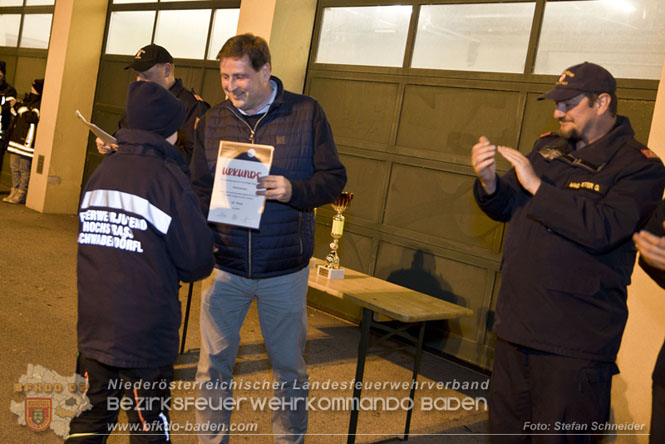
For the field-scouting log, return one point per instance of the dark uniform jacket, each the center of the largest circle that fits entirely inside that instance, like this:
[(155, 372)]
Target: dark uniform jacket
[(140, 232), (568, 254), (655, 226), (305, 154), (195, 108), (23, 129), (7, 94)]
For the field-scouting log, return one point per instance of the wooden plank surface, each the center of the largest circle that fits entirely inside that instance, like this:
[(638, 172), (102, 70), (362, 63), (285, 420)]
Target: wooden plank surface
[(384, 297)]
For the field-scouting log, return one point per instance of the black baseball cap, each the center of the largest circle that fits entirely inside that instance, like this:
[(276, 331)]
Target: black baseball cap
[(149, 56), (579, 79)]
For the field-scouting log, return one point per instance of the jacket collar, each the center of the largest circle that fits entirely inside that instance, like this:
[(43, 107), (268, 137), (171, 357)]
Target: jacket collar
[(177, 87), (279, 99), (32, 100), (603, 149)]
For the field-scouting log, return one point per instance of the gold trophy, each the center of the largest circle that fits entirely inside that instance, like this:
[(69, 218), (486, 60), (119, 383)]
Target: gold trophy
[(331, 270)]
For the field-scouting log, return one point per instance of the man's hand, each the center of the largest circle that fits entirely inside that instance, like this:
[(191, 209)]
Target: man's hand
[(274, 188), (651, 248), (102, 148), (525, 173), (482, 160)]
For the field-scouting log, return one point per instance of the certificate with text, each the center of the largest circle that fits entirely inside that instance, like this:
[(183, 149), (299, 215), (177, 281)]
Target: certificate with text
[(239, 166)]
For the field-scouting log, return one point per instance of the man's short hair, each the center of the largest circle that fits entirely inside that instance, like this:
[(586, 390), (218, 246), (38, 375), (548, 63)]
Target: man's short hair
[(613, 102), (248, 45)]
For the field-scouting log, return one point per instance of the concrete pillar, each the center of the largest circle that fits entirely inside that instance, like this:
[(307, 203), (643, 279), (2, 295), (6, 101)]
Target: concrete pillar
[(287, 26), (645, 330), (71, 76)]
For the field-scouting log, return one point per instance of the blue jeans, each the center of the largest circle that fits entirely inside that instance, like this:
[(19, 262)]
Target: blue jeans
[(20, 166), (281, 303)]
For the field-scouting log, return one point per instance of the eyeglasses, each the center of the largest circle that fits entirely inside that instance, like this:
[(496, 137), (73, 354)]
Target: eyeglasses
[(569, 104)]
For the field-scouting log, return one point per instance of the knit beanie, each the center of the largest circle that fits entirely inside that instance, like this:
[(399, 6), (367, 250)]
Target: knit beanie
[(150, 107), (3, 67), (38, 84)]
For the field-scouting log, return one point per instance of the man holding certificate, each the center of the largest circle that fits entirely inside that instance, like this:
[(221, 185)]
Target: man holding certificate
[(294, 143)]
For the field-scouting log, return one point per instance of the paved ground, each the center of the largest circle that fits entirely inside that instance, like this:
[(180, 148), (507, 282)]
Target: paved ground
[(38, 322)]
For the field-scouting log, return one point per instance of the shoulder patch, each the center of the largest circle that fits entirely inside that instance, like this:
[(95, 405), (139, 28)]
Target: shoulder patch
[(649, 154)]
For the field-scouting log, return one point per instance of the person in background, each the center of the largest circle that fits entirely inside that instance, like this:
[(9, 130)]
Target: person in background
[(650, 243), (21, 145), (7, 100), (573, 204), (153, 63), (141, 232)]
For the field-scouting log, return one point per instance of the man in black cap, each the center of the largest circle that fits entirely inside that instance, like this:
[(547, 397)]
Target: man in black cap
[(573, 204), (7, 100), (153, 63), (141, 231)]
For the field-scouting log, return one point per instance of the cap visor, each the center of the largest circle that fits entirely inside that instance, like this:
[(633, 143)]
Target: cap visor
[(560, 94), (140, 66)]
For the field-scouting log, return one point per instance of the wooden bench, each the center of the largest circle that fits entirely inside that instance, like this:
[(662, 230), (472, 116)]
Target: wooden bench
[(377, 296)]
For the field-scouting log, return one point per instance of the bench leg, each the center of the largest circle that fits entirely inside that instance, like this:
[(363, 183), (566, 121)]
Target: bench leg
[(360, 369), (414, 378)]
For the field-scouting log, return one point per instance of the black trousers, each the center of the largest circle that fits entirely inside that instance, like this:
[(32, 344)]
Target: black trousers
[(657, 433), (146, 401), (3, 147), (540, 397)]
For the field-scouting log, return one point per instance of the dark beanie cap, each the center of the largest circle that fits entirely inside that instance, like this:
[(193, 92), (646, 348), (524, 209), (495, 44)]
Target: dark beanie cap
[(38, 84), (150, 107), (3, 67)]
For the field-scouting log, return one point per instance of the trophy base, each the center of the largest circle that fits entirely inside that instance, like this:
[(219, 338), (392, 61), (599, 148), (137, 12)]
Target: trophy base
[(330, 273)]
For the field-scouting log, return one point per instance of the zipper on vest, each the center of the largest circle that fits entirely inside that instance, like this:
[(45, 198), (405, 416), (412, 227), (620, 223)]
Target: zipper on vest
[(300, 231), (252, 132), (249, 254)]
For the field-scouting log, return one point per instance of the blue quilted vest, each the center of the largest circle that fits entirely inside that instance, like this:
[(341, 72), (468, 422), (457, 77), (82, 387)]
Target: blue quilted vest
[(284, 242)]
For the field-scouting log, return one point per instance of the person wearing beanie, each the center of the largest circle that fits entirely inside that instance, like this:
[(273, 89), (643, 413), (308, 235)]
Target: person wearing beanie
[(151, 108), (7, 99), (38, 85), (573, 204), (153, 63), (21, 141), (141, 231)]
